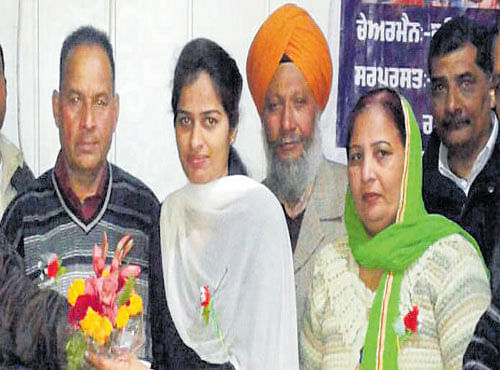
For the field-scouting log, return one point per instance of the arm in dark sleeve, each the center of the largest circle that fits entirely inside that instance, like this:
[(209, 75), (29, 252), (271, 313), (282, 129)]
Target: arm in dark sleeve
[(483, 351), (156, 299), (33, 322)]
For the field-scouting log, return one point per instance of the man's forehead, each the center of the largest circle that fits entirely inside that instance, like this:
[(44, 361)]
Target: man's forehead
[(287, 78), (84, 62), (456, 62), (86, 51)]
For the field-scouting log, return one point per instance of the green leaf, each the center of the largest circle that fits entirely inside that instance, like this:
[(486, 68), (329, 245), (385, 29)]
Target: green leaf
[(126, 291), (405, 336), (62, 270), (206, 314), (75, 350)]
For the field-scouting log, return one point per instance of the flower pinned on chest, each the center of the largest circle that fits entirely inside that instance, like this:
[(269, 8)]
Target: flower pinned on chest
[(208, 310), (407, 325), (51, 268), (206, 303)]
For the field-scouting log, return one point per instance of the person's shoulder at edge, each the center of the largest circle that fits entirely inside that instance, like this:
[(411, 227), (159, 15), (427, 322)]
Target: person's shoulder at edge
[(32, 191), (329, 170), (451, 249), (119, 174), (137, 194)]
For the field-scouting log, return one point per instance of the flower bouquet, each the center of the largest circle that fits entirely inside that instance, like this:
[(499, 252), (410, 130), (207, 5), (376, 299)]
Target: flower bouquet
[(106, 312)]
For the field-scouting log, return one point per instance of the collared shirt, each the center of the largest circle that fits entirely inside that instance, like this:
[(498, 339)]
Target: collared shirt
[(481, 160), (87, 209), (294, 225)]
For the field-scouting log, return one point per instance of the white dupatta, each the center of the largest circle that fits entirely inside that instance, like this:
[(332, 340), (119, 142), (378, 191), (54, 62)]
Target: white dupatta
[(231, 235)]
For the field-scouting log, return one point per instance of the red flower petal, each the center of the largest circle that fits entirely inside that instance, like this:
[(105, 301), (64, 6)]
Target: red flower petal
[(411, 319), (52, 269), (206, 301), (79, 310)]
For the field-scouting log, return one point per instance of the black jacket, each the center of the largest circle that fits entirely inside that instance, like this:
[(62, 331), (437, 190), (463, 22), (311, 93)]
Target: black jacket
[(483, 351), (476, 212), (22, 178), (33, 322)]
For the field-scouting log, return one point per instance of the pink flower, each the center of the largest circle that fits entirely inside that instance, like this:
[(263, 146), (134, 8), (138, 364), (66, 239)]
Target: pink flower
[(107, 286), (110, 311), (91, 287), (126, 272), (99, 257), (411, 319)]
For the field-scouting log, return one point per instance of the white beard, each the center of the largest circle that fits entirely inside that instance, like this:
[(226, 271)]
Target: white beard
[(289, 179)]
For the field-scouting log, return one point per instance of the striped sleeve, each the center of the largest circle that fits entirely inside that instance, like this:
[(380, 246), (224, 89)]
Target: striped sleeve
[(311, 343), (463, 295)]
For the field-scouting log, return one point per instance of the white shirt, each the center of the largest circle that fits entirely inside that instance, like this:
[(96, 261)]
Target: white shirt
[(11, 159), (481, 160)]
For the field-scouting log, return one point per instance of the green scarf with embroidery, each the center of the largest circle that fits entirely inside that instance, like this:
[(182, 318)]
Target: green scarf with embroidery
[(395, 248)]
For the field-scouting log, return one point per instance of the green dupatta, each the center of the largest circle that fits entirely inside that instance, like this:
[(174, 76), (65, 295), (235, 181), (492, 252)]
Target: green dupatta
[(395, 248)]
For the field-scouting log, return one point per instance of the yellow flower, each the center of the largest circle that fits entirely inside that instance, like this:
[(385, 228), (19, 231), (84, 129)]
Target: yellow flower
[(76, 289), (96, 326), (135, 305), (89, 323), (122, 317), (103, 331), (105, 272)]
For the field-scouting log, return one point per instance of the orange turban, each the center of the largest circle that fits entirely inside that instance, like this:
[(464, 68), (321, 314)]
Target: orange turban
[(289, 30)]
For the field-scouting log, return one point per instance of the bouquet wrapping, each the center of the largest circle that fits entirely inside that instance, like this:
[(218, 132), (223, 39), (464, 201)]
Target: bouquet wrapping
[(106, 313)]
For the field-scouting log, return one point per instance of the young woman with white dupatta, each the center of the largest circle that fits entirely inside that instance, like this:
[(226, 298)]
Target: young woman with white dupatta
[(225, 252)]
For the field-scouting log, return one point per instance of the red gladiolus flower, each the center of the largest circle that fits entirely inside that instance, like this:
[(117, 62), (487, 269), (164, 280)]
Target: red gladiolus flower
[(110, 311), (411, 319), (126, 272), (107, 286), (53, 268)]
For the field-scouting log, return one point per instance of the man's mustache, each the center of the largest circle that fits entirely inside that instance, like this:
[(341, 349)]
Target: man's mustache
[(289, 139), (451, 123)]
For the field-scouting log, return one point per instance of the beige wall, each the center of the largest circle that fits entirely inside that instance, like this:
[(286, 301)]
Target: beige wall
[(147, 36)]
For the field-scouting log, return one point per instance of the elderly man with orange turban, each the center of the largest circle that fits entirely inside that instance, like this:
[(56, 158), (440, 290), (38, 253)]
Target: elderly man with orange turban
[(289, 73)]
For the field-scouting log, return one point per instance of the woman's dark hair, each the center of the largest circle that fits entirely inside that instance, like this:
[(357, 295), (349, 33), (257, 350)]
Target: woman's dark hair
[(202, 55), (386, 98), (235, 165)]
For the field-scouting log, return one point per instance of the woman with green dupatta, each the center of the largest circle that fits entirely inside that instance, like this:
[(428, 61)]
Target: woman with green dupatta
[(405, 288)]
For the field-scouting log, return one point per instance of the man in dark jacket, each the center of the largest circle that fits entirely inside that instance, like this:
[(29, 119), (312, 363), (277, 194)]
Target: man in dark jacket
[(462, 160), (484, 350), (33, 322)]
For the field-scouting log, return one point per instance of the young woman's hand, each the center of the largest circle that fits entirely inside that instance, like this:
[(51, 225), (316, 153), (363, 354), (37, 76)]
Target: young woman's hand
[(126, 361)]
